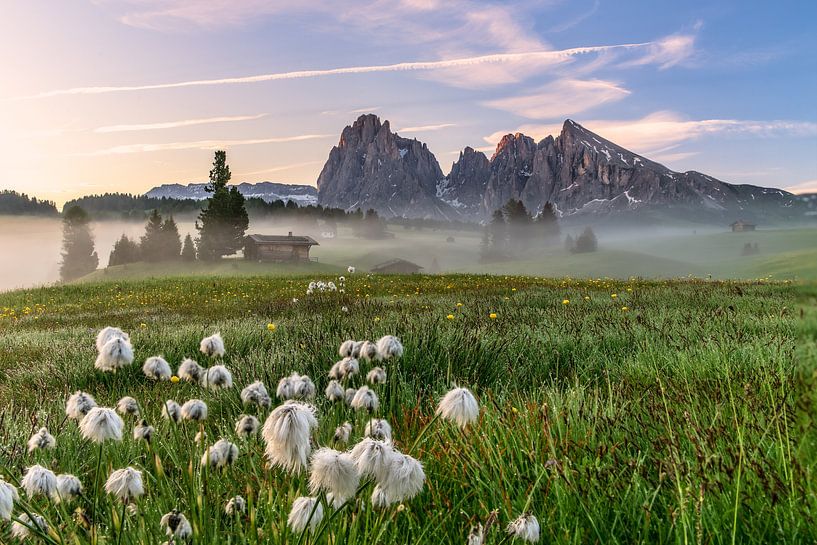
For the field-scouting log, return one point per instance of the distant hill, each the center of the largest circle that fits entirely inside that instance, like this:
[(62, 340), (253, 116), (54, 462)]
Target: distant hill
[(302, 195), (20, 204)]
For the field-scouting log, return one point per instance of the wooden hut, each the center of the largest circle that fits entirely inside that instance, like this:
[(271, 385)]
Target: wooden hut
[(278, 248)]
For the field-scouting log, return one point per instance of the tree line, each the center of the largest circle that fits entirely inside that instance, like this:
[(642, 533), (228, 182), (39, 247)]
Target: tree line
[(20, 204)]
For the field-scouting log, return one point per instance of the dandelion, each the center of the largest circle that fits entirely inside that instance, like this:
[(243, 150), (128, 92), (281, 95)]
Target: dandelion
[(127, 406), (69, 487), (565, 301), (39, 481), (247, 426), (450, 317), (190, 371), (125, 484), (389, 347), (378, 428), (221, 454), (8, 495), (373, 458), (218, 377), (194, 409), (365, 398), (101, 424), (156, 368), (256, 394), (342, 433), (78, 405), (176, 525), (171, 411), (459, 406), (335, 473), (287, 432), (306, 512), (20, 529), (346, 349), (614, 296), (368, 350), (334, 391), (143, 431), (41, 440), (175, 379), (212, 346), (114, 354), (108, 334), (492, 316), (526, 527), (271, 326), (376, 376), (404, 478), (235, 505)]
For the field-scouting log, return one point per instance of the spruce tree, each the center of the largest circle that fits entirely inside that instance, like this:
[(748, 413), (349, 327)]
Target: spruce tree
[(224, 221), (518, 221), (188, 249), (152, 244), (124, 251), (78, 255), (171, 240), (586, 242), (548, 221)]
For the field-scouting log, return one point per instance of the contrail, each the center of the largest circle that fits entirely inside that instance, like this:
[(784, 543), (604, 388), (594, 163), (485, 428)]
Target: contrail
[(552, 56)]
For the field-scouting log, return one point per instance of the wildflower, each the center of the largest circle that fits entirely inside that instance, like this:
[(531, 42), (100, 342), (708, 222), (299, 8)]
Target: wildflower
[(114, 354), (526, 527), (212, 346), (127, 406), (20, 528), (39, 481), (614, 296), (373, 458), (217, 377), (349, 395), (69, 487), (78, 405), (344, 309), (350, 269), (194, 409), (459, 305), (404, 478), (108, 334), (346, 349), (200, 437), (256, 394), (175, 379), (565, 301), (247, 426), (365, 398), (101, 424), (125, 484), (156, 368), (41, 440), (492, 316), (221, 454), (378, 428), (459, 406), (450, 317), (143, 431), (342, 433), (389, 346), (8, 495), (171, 411), (477, 535), (586, 297), (190, 371), (376, 376), (334, 391), (235, 505), (306, 512), (335, 473), (287, 432), (176, 525), (271, 326), (625, 309), (143, 325), (347, 367), (367, 350)]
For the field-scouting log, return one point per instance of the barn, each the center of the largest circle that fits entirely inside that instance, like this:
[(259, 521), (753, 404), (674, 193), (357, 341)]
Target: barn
[(278, 248), (741, 226), (396, 266)]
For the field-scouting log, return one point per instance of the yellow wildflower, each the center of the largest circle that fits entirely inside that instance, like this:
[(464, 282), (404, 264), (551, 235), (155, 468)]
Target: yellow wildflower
[(271, 326), (492, 316)]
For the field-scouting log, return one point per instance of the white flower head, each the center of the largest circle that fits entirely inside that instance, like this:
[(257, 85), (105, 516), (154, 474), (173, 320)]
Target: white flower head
[(115, 354), (307, 512), (334, 391), (200, 438), (377, 375), (404, 479), (212, 346), (368, 350), (379, 498), (191, 371), (349, 395), (108, 334), (526, 528), (78, 405), (20, 529), (247, 426), (350, 269), (41, 440), (39, 481), (101, 424), (143, 431), (171, 411), (235, 506), (287, 432), (217, 377), (69, 487), (373, 458), (125, 484), (194, 409), (221, 454), (176, 525), (378, 428), (365, 398), (335, 473), (342, 433), (157, 368), (477, 535), (304, 388), (459, 406), (256, 394), (8, 495), (346, 349), (345, 368), (127, 406), (389, 347)]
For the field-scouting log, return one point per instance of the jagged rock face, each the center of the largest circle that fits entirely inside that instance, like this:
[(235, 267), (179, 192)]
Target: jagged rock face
[(464, 187), (371, 167)]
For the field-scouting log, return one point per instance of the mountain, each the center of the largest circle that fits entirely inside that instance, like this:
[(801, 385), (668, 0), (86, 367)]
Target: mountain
[(303, 195), (578, 171)]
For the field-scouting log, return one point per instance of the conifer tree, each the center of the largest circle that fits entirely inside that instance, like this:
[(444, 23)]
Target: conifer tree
[(78, 255), (224, 221), (188, 249)]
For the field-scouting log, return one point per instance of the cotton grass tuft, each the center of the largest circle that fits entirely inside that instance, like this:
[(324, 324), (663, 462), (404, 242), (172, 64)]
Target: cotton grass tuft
[(526, 528), (335, 473), (20, 529), (389, 347), (171, 411), (115, 354), (247, 426), (287, 433), (108, 334), (156, 368), (176, 525), (376, 376), (334, 391), (125, 484), (194, 409), (256, 394), (365, 398), (39, 481), (217, 377), (78, 405), (101, 424), (222, 454), (459, 406), (8, 495), (191, 371), (127, 406), (69, 488), (378, 428), (342, 433), (212, 346), (42, 440), (307, 512)]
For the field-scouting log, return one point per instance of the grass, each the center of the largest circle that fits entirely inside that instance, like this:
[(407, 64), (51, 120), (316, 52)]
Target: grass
[(687, 418)]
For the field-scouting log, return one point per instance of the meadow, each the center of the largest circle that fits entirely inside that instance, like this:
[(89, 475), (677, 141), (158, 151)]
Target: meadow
[(614, 411)]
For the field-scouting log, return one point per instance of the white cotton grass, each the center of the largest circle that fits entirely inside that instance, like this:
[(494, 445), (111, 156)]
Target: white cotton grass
[(21, 529), (8, 495), (295, 386), (350, 269), (376, 375), (190, 371), (39, 481), (346, 349), (334, 391), (334, 473), (41, 440), (235, 506), (342, 433), (368, 351), (115, 354), (212, 346), (217, 377), (108, 334), (125, 484), (157, 368), (78, 405), (349, 395), (404, 479), (459, 406), (69, 488), (287, 432), (221, 454), (127, 406), (143, 431), (526, 528), (194, 409), (345, 368), (307, 512), (171, 411), (101, 424), (372, 458), (256, 394), (378, 428), (246, 426), (365, 399), (389, 347), (477, 535), (176, 525)]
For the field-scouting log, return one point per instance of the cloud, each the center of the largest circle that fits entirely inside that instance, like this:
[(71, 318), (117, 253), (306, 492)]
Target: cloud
[(426, 128), (809, 186), (176, 124), (666, 52), (201, 144), (561, 98), (576, 20), (279, 168)]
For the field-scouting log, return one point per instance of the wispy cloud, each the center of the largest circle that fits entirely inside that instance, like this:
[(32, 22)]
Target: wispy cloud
[(281, 168), (666, 52), (561, 98), (201, 144), (809, 186), (176, 124), (426, 128)]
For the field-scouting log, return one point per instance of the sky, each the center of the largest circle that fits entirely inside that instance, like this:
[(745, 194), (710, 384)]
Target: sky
[(123, 95)]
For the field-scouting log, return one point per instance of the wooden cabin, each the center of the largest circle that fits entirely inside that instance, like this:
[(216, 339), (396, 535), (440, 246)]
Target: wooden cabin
[(278, 248), (741, 226), (396, 266)]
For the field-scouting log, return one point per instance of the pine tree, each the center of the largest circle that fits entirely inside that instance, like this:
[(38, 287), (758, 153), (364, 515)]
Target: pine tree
[(78, 255), (518, 221), (548, 221), (171, 240), (188, 249), (225, 220), (124, 251), (586, 242), (152, 244)]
